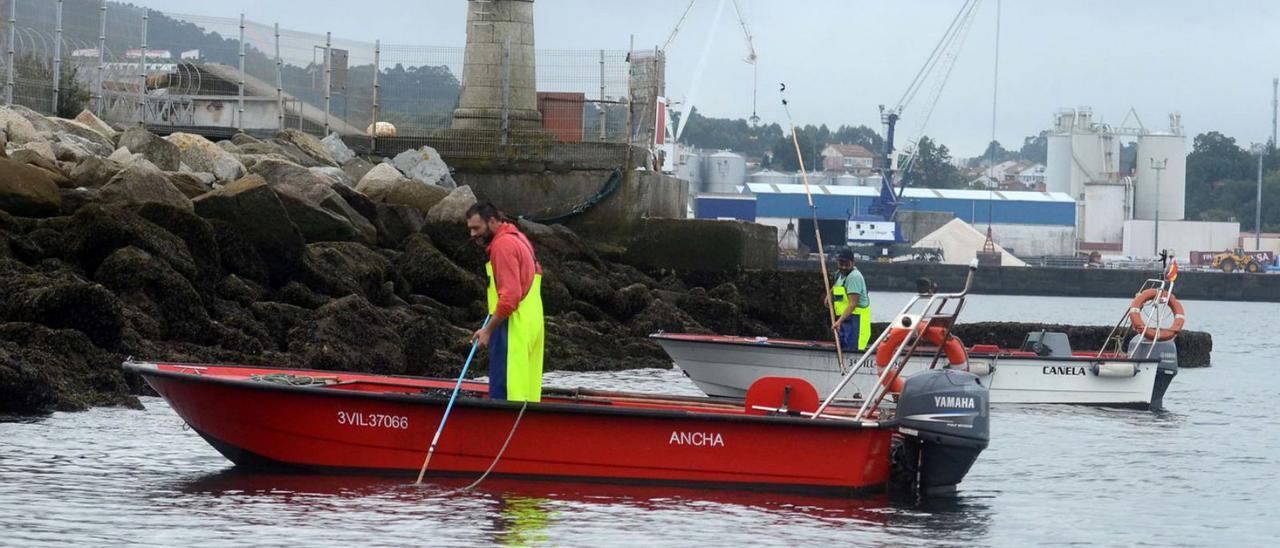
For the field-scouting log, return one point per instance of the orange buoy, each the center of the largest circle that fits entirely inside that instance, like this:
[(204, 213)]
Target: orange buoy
[(951, 346), (1165, 333)]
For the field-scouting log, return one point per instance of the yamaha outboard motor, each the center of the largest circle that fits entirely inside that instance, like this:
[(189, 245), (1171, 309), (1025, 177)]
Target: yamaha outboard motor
[(944, 422), (1167, 353)]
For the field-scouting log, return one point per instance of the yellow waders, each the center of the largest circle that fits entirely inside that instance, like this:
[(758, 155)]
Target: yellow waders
[(515, 349), (840, 300)]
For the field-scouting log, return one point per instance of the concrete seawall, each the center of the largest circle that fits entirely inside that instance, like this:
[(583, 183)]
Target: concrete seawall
[(1065, 282)]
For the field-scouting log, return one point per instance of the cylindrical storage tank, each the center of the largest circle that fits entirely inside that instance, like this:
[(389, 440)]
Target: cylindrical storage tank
[(1088, 161), (845, 179), (689, 168), (770, 177), (1057, 174), (814, 178), (1173, 178), (1104, 212), (724, 171), (872, 181)]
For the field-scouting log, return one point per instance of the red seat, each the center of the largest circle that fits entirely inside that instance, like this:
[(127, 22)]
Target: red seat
[(984, 349), (769, 393)]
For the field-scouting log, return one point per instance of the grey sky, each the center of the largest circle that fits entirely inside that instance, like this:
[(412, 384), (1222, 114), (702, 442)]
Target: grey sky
[(1213, 62)]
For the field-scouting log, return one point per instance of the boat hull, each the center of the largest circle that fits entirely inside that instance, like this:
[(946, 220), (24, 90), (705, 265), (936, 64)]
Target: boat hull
[(725, 366), (261, 424)]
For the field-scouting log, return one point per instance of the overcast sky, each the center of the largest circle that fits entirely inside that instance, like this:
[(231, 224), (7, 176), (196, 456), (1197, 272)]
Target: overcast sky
[(1213, 62)]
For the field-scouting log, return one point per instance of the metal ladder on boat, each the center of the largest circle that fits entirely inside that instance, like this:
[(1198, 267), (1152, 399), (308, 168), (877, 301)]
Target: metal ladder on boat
[(935, 313), (1116, 339)]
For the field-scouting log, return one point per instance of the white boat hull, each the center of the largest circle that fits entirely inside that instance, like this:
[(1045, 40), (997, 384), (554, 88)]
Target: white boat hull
[(726, 367)]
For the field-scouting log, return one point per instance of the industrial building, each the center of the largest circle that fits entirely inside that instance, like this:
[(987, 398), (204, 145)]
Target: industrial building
[(1119, 210), (1025, 223)]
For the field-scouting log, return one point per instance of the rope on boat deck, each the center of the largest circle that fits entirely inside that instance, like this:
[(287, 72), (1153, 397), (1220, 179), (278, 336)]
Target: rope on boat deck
[(293, 380), (498, 457)]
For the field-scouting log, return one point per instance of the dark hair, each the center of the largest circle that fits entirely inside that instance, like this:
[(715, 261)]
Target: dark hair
[(845, 254), (486, 210)]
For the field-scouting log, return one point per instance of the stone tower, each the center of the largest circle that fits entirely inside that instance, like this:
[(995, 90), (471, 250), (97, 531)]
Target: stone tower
[(499, 61)]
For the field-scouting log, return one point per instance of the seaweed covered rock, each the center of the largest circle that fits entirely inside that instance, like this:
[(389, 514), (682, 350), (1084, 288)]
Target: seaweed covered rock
[(350, 334), (95, 232), (254, 214), (44, 370), (429, 272), (153, 288), (345, 268), (70, 304)]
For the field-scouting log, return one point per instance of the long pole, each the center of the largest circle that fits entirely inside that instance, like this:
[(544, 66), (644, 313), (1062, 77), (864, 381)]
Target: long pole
[(813, 212), (1275, 105), (142, 72), (240, 84), (13, 36), (102, 57), (506, 88), (449, 407), (377, 68), (604, 110), (328, 75), (279, 83), (1257, 210), (1159, 168), (57, 56)]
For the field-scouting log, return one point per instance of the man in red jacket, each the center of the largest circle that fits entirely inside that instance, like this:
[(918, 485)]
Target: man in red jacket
[(515, 332)]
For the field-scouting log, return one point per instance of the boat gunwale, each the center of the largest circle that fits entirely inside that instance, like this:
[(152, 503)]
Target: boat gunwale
[(152, 369), (789, 344)]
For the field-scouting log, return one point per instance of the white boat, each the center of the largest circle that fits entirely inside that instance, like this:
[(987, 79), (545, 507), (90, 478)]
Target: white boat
[(726, 366)]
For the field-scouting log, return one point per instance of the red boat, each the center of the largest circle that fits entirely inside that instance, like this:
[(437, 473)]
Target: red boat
[(328, 421)]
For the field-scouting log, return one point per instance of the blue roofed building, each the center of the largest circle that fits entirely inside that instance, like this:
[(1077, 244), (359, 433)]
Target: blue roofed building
[(1027, 223)]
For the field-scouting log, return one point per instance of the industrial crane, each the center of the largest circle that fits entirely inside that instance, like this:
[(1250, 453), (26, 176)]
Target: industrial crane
[(706, 48), (884, 209)]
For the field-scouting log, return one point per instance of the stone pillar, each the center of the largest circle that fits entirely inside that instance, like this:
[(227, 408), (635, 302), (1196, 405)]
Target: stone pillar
[(486, 70)]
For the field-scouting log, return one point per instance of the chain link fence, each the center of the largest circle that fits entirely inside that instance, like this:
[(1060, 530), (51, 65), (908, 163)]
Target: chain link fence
[(132, 65)]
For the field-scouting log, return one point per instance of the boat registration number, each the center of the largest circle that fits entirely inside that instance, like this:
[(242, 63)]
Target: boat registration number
[(373, 420)]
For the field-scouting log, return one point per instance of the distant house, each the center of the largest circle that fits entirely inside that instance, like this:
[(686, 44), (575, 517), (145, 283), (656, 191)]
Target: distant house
[(855, 159), (1032, 175)]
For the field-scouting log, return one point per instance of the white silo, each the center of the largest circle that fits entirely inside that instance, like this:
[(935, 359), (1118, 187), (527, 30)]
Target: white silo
[(1161, 147), (847, 179), (770, 177), (1079, 152), (1104, 214), (689, 167), (723, 172)]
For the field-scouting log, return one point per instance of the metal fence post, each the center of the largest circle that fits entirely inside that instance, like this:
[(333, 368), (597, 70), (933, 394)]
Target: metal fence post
[(328, 77), (240, 84), (13, 36), (506, 86), (377, 67), (142, 72), (57, 56), (603, 118), (279, 84), (102, 57)]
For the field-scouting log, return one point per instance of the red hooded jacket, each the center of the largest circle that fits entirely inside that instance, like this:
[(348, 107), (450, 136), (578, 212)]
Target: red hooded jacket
[(514, 265)]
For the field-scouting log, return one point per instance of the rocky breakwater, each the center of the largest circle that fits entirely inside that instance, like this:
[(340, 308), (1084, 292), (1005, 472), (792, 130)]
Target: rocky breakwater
[(289, 251)]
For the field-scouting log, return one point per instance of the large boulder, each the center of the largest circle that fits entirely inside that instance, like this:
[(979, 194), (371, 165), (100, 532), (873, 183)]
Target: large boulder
[(43, 148), (191, 185), (143, 182), (335, 176), (350, 334), (385, 184), (94, 172), (318, 211), (71, 148), (66, 304), (74, 127), (344, 268), (453, 208), (309, 145), (152, 287), (27, 191), (162, 153), (396, 222), (43, 370), (18, 129), (357, 168), (425, 165), (338, 150), (91, 121), (202, 155), (253, 212)]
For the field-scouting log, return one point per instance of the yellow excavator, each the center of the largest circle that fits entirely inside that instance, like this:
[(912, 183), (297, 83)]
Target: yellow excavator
[(1232, 260)]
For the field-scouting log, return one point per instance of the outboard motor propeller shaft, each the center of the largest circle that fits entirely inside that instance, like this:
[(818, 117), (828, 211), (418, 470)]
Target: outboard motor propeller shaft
[(1167, 353)]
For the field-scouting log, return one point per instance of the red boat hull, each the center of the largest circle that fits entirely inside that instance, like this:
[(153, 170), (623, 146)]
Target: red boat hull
[(370, 423)]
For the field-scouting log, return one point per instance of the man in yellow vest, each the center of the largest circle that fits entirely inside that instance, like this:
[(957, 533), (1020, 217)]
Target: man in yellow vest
[(852, 304), (515, 333)]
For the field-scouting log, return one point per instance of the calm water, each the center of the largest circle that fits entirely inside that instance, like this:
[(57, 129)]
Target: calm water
[(1204, 473)]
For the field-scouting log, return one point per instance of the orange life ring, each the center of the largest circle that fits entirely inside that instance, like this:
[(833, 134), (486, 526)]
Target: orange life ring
[(952, 347), (1135, 316)]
